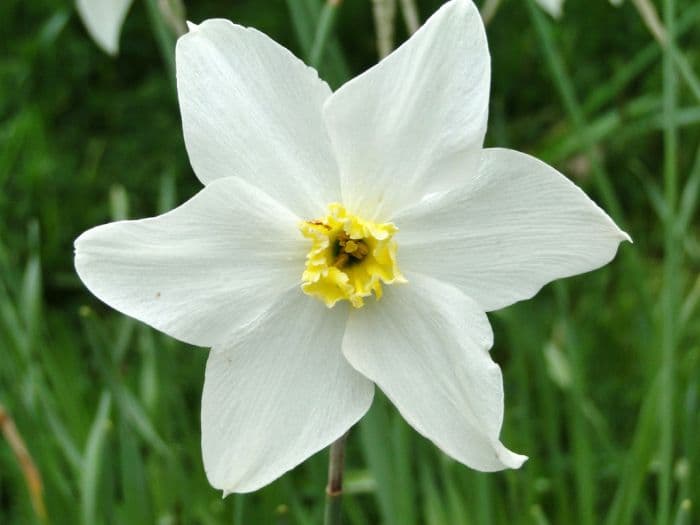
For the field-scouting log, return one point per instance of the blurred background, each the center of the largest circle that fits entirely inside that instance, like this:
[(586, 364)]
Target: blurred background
[(100, 414)]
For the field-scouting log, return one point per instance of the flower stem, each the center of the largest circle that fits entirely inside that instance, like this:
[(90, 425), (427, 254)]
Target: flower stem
[(323, 31), (409, 10), (671, 268), (334, 489), (651, 19), (164, 36), (384, 12)]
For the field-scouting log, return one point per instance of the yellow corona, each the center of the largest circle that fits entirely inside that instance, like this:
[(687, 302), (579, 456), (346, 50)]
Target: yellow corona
[(349, 259)]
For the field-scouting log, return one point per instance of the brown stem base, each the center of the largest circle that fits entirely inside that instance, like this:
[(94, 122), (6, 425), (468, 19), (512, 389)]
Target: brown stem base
[(334, 489)]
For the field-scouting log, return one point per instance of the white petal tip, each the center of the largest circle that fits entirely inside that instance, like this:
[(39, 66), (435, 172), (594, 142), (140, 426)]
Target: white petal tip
[(461, 4), (510, 459), (109, 48), (626, 237), (235, 488), (192, 27), (517, 460)]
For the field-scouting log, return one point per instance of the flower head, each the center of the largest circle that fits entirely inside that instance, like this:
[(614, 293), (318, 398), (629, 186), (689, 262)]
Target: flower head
[(343, 240)]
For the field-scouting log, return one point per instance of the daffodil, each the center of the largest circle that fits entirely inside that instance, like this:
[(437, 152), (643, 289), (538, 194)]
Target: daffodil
[(344, 240), (103, 20)]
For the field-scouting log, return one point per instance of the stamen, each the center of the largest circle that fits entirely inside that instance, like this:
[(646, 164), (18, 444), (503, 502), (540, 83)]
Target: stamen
[(342, 260), (349, 258)]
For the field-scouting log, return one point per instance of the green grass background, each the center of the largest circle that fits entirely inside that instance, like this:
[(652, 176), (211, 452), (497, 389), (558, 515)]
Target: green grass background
[(601, 370)]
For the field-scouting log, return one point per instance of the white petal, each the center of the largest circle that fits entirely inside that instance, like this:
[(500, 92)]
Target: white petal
[(415, 122), (553, 7), (425, 344), (280, 392), (103, 20), (252, 109), (201, 270), (519, 225)]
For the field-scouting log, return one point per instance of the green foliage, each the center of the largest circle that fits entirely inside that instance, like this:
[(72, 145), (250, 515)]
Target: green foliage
[(602, 371)]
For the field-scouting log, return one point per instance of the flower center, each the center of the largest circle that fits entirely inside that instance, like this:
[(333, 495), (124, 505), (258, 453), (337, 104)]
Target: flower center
[(349, 258)]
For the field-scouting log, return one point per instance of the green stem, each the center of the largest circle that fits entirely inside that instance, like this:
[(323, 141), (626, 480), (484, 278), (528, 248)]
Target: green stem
[(660, 33), (323, 31), (409, 10), (580, 437), (671, 267), (647, 56), (383, 12), (641, 451), (164, 35), (334, 489)]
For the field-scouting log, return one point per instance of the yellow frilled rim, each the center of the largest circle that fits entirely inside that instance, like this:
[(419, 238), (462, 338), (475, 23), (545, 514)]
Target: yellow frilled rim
[(349, 258)]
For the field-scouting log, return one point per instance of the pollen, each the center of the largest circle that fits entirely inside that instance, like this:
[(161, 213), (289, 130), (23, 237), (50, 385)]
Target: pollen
[(349, 259)]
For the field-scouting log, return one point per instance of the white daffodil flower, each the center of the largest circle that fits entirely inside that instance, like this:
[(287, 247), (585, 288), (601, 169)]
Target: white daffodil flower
[(313, 202), (103, 20), (553, 7)]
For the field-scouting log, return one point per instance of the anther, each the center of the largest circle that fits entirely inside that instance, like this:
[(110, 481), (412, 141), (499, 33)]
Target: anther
[(360, 251), (347, 247), (342, 260)]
